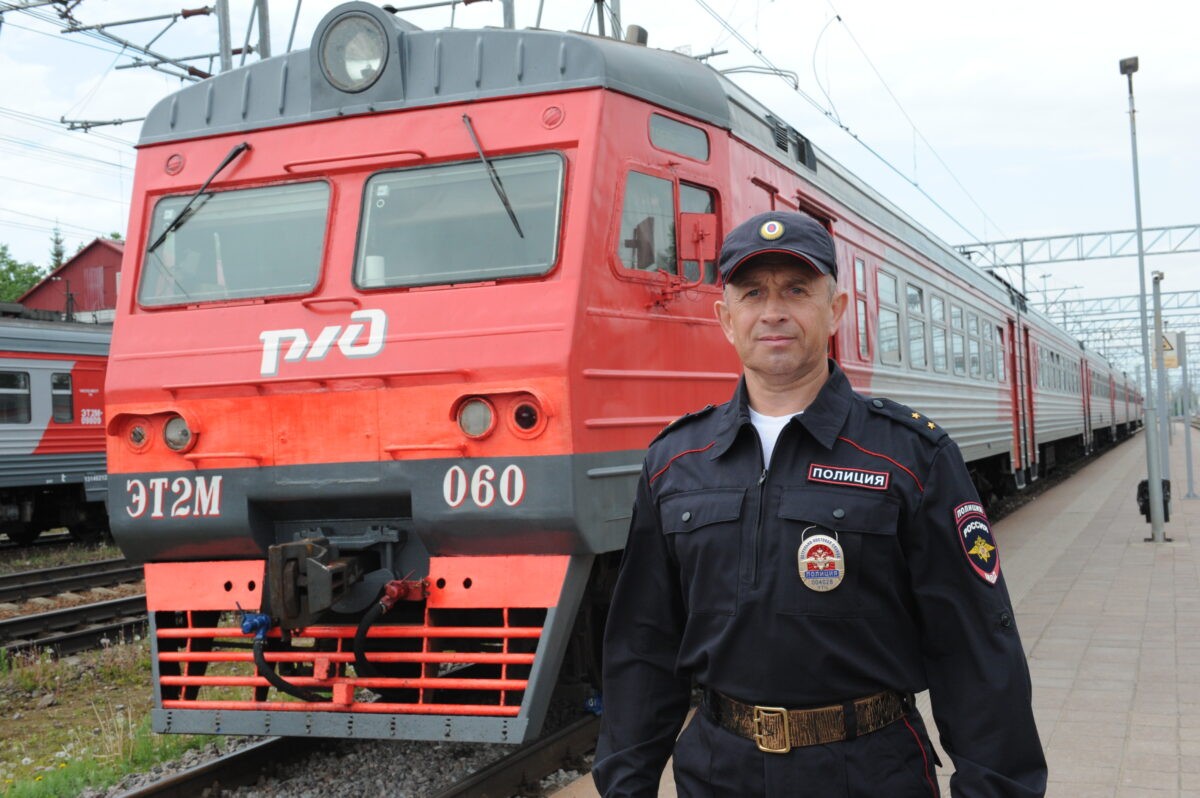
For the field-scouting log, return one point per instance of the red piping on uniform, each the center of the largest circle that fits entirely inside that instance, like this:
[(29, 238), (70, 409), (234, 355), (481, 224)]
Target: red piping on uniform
[(659, 473), (924, 758), (920, 487)]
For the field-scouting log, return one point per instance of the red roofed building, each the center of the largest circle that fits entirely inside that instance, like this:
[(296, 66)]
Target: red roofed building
[(84, 287)]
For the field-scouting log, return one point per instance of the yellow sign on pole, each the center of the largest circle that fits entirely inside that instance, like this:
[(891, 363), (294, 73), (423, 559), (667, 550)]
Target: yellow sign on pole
[(1170, 348)]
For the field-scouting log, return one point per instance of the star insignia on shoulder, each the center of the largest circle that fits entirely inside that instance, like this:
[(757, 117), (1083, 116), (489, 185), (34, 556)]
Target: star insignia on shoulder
[(916, 415), (931, 425)]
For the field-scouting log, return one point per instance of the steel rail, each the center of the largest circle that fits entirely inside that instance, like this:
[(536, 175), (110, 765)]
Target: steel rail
[(525, 767), (25, 585), (238, 768), (75, 628)]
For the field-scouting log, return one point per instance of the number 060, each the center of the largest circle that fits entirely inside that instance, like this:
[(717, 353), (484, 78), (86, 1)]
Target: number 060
[(482, 487)]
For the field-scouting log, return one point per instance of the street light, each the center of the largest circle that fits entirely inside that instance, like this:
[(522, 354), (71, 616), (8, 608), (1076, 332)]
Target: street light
[(1157, 533)]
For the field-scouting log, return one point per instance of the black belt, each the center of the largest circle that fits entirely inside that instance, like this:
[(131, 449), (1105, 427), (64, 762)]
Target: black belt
[(776, 730)]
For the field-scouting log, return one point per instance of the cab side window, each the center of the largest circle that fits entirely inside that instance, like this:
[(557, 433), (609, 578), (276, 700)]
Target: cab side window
[(647, 240)]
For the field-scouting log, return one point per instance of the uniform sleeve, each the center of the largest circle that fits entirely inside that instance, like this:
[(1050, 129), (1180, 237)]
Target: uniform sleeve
[(645, 700), (978, 677)]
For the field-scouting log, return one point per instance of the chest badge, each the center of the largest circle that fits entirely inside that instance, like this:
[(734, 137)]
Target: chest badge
[(822, 562)]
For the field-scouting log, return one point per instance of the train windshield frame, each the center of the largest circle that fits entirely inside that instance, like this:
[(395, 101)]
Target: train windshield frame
[(246, 243), (444, 224)]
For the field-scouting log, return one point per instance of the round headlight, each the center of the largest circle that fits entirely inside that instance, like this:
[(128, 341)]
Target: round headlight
[(476, 418), (176, 433), (353, 52)]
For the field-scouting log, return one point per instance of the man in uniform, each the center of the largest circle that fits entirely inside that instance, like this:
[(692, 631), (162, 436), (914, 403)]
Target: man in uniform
[(812, 558)]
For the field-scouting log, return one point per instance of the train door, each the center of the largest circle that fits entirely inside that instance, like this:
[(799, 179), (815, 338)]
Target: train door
[(1085, 390), (1020, 415), (1031, 422)]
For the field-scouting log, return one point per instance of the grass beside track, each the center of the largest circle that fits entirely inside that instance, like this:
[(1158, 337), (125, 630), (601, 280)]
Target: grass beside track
[(80, 722)]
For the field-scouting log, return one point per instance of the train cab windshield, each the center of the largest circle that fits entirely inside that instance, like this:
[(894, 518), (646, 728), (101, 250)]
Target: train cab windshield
[(240, 244), (444, 224)]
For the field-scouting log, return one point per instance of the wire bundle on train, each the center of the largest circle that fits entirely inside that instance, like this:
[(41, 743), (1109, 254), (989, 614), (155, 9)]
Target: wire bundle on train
[(399, 316)]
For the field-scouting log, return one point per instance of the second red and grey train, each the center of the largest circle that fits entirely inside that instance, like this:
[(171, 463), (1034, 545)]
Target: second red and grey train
[(401, 313)]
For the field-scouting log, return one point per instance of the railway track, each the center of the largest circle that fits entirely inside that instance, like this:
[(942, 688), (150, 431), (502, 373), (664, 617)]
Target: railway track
[(519, 772), (45, 539), (74, 629), (53, 581)]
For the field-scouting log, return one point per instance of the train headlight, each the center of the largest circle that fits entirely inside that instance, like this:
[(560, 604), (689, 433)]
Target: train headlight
[(353, 52), (476, 417), (526, 416), (176, 434)]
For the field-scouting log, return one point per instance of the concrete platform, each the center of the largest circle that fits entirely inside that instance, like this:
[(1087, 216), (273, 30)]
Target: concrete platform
[(1111, 626)]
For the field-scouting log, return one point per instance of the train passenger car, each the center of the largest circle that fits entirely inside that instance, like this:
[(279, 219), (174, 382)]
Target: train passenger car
[(401, 313), (52, 442)]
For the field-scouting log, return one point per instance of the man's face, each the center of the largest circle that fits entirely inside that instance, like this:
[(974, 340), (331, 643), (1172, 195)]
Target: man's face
[(779, 315)]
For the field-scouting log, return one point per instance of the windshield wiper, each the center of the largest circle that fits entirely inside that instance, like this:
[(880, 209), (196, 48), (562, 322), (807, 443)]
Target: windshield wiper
[(184, 214), (496, 184)]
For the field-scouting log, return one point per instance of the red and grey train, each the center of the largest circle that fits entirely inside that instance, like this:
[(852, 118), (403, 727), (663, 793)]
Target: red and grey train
[(52, 440), (403, 312)]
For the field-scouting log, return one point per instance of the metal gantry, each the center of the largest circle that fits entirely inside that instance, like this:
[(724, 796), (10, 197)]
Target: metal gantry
[(1018, 252)]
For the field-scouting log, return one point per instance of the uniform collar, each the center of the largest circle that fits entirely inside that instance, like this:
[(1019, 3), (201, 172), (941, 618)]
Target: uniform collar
[(823, 419)]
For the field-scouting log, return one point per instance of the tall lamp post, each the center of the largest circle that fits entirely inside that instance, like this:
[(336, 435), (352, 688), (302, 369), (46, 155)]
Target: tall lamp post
[(1157, 532)]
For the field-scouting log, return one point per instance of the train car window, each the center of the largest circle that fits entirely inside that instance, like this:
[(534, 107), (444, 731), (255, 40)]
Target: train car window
[(958, 345), (916, 299), (956, 317), (937, 309), (973, 350), (60, 398), (1000, 354), (889, 318), (677, 137), (989, 362), (864, 339), (916, 343), (244, 243), (972, 324), (887, 288), (696, 199), (860, 307), (443, 224), (939, 348), (647, 238), (14, 397)]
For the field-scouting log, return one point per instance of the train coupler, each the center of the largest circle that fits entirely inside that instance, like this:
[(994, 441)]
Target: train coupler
[(305, 578)]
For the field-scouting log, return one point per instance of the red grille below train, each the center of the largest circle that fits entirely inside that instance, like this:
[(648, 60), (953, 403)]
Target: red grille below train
[(434, 668)]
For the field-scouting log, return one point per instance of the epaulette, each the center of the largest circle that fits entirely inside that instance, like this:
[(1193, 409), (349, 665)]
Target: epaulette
[(685, 419), (908, 417)]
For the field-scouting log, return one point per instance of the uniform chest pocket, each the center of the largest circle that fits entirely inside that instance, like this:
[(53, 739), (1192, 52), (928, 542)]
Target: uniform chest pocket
[(865, 528), (704, 528)]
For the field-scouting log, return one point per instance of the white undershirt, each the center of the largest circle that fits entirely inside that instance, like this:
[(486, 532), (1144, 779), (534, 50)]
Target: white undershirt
[(769, 428)]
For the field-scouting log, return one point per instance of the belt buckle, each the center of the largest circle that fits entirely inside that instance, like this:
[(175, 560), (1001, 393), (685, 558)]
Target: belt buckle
[(771, 714)]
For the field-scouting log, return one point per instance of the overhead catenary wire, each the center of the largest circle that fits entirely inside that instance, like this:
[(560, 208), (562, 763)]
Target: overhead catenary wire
[(828, 114), (916, 130)]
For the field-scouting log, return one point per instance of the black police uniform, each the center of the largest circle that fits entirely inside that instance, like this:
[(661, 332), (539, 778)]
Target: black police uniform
[(710, 588)]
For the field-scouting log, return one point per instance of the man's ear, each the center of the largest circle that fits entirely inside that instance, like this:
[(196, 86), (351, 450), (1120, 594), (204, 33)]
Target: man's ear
[(723, 317)]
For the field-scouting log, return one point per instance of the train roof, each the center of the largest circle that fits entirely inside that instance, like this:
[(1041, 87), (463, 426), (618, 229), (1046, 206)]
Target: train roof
[(462, 65), (54, 337)]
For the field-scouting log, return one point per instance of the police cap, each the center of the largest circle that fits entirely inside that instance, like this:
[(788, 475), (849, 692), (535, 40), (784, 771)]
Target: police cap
[(785, 232)]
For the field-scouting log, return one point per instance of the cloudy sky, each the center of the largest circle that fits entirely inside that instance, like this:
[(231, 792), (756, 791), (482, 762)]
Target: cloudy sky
[(1012, 117)]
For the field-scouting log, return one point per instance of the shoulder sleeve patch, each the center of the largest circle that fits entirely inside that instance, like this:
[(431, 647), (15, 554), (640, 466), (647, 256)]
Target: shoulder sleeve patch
[(907, 417), (685, 419), (975, 535)]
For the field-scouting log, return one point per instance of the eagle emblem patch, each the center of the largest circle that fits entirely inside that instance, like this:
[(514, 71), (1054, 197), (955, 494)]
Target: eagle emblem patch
[(975, 535)]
